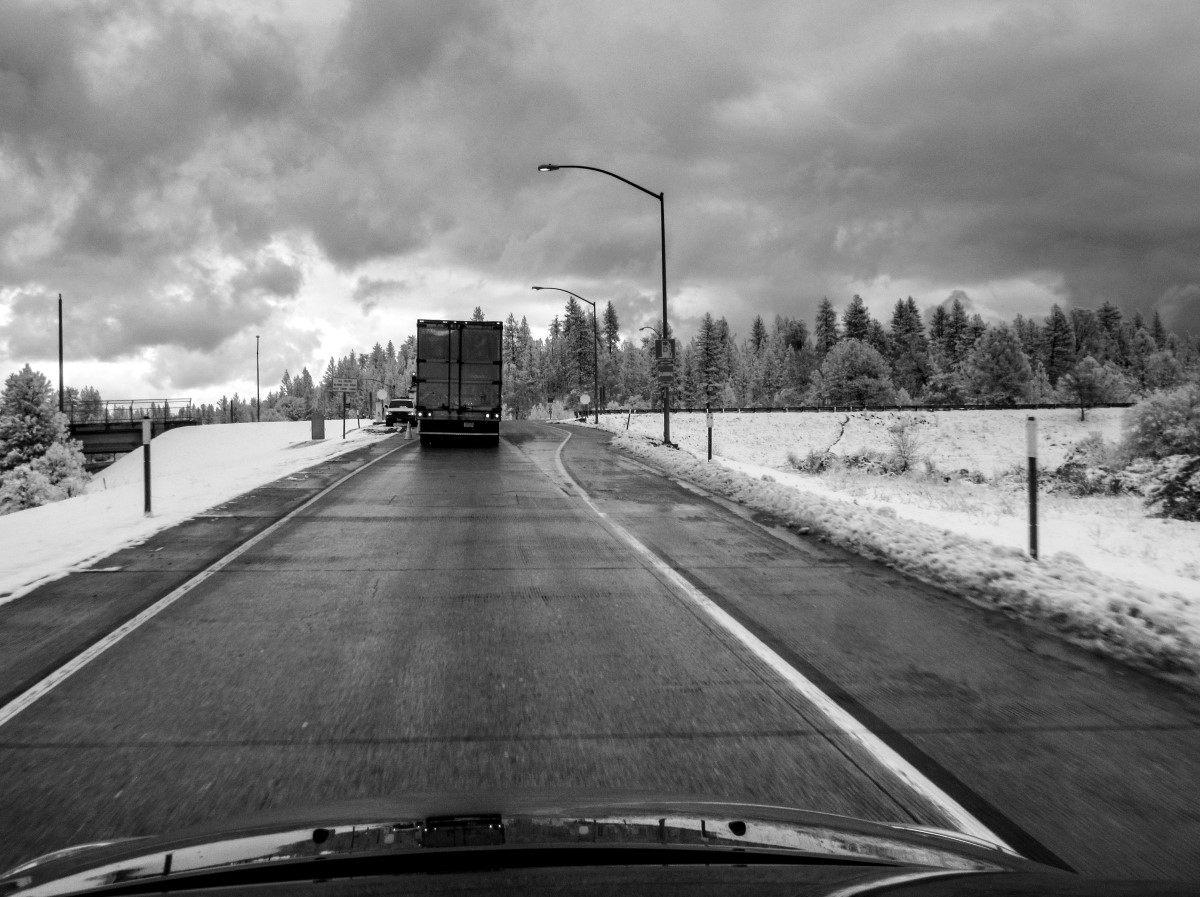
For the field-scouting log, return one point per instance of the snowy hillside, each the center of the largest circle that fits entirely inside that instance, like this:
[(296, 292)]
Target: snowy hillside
[(192, 470), (1108, 576)]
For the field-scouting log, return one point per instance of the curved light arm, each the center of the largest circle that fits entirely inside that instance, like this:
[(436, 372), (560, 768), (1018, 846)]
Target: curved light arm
[(569, 293), (549, 167)]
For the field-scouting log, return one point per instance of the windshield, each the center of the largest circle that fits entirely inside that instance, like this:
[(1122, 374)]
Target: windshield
[(844, 457)]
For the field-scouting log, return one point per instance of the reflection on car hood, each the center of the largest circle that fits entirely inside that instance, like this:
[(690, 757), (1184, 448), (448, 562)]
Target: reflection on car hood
[(455, 833)]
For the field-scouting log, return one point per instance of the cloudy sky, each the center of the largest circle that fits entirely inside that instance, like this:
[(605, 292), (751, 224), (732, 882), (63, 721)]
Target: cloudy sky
[(190, 175)]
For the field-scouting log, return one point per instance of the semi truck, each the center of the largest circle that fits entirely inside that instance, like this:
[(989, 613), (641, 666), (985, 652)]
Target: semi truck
[(458, 381)]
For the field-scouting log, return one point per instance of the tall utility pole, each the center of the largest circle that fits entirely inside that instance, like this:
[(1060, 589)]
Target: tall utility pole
[(257, 400), (61, 400)]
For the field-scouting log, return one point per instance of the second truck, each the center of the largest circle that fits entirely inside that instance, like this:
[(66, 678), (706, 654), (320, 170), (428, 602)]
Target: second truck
[(458, 381)]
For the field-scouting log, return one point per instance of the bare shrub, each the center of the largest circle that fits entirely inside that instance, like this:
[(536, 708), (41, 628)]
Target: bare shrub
[(813, 462), (905, 444)]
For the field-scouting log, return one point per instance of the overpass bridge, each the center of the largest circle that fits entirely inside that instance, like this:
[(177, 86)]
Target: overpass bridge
[(108, 429)]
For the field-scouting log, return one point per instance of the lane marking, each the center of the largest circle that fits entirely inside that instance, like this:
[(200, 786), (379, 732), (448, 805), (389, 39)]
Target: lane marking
[(79, 661), (887, 757)]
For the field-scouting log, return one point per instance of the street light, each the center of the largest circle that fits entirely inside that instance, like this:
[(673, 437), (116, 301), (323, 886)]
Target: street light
[(662, 226), (595, 350)]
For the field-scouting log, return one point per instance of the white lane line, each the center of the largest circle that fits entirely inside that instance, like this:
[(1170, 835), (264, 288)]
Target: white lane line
[(908, 774), (75, 664)]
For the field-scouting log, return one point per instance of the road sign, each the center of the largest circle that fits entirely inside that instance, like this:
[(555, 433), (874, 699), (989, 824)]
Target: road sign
[(344, 384), (585, 399), (381, 394), (664, 350), (667, 377)]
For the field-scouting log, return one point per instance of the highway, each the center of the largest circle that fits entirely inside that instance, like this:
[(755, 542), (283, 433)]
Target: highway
[(551, 614)]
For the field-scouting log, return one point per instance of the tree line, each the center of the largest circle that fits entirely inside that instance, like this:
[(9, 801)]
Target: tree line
[(848, 357), (1082, 356)]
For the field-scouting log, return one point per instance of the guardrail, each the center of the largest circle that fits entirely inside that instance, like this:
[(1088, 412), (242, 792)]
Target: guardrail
[(848, 408)]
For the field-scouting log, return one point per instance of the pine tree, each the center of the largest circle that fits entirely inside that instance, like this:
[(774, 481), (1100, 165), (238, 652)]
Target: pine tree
[(956, 342), (997, 370), (477, 314), (909, 347), (1114, 345), (825, 334), (1058, 345), (1089, 338), (1030, 334), (971, 332), (758, 334), (687, 383), (30, 422), (1158, 331), (610, 329), (856, 320), (711, 361), (635, 388), (878, 339)]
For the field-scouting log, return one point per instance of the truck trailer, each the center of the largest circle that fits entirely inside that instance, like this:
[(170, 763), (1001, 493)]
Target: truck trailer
[(458, 381)]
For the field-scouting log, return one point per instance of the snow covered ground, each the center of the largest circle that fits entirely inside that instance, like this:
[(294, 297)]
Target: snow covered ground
[(1108, 576), (192, 469)]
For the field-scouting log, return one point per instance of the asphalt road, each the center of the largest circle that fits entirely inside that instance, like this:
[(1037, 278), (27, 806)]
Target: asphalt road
[(476, 619)]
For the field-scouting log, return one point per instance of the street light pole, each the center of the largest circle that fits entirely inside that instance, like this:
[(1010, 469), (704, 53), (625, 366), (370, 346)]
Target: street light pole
[(662, 224), (257, 399), (595, 350)]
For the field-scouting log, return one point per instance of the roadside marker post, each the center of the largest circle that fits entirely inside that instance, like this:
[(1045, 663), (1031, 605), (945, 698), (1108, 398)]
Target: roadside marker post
[(1031, 452), (146, 458), (709, 419)]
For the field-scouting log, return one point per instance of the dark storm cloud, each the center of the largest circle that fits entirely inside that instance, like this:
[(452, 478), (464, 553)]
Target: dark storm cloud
[(1057, 138), (369, 291), (386, 45)]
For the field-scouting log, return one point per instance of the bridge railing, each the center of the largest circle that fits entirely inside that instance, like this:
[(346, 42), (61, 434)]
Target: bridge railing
[(114, 410)]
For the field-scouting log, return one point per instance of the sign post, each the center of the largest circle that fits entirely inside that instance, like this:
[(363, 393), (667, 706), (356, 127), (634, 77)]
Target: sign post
[(146, 457), (1031, 452), (586, 401), (344, 385), (664, 350)]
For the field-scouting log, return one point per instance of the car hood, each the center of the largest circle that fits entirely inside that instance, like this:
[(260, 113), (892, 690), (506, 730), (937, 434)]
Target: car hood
[(454, 832)]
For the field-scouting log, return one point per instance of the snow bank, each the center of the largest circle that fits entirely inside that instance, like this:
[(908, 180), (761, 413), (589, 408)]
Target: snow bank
[(192, 469), (1146, 627)]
